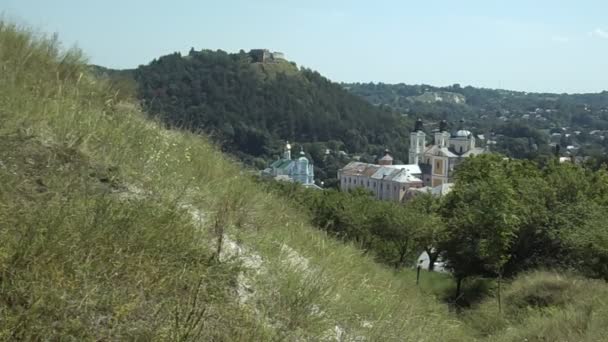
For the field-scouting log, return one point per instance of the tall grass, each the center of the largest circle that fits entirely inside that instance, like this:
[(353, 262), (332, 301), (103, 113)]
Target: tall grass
[(545, 306)]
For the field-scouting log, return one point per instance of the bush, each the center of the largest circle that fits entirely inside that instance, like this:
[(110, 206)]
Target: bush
[(545, 306)]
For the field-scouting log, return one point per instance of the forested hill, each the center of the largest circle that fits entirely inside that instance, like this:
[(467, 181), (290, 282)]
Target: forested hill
[(525, 124), (251, 108), (443, 102)]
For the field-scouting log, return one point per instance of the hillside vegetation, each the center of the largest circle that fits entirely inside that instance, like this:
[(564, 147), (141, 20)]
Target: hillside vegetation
[(115, 228), (250, 109), (111, 227)]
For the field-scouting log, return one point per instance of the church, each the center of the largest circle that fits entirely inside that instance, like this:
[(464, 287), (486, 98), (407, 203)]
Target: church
[(438, 160), (430, 168), (299, 170)]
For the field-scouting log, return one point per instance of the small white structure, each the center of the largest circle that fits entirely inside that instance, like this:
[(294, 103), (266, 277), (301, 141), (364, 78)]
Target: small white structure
[(424, 260)]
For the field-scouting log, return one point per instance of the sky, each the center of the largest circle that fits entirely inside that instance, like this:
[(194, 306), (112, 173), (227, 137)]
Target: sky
[(529, 45)]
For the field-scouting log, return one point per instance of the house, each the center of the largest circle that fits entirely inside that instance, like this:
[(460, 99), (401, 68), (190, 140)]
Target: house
[(438, 191), (265, 56)]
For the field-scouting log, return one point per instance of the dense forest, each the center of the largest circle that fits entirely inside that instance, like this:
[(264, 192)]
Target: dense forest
[(251, 108)]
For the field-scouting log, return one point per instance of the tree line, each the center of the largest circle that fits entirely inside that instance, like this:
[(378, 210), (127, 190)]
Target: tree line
[(502, 217)]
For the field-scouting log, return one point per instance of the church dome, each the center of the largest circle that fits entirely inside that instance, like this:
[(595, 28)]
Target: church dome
[(462, 133)]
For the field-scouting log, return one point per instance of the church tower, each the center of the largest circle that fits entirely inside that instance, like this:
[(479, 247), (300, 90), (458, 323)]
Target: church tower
[(417, 143), (442, 137)]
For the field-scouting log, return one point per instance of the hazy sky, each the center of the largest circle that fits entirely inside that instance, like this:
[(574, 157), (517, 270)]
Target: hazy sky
[(532, 45)]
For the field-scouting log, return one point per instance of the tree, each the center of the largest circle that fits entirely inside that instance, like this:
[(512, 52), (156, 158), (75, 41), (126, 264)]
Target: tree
[(482, 219), (393, 226), (589, 241), (428, 227)]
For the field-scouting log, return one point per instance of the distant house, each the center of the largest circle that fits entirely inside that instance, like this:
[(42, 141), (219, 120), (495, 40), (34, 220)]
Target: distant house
[(571, 148), (574, 159), (265, 56), (438, 191)]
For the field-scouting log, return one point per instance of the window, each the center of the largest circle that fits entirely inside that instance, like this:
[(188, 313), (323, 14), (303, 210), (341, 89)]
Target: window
[(374, 185), (349, 180), (368, 183), (460, 149)]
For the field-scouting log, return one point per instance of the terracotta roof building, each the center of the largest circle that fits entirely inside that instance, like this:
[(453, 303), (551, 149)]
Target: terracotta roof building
[(385, 180)]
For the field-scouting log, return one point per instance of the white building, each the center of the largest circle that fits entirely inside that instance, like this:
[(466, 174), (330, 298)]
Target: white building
[(385, 180)]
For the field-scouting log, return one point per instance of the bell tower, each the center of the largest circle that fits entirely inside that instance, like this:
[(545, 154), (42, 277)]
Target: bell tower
[(442, 136), (417, 143)]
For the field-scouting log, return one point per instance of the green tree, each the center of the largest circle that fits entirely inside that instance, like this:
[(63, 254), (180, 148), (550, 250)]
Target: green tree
[(428, 227), (393, 226), (482, 219)]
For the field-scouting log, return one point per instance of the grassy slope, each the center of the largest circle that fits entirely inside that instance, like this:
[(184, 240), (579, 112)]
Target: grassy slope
[(545, 306), (84, 256), (97, 243)]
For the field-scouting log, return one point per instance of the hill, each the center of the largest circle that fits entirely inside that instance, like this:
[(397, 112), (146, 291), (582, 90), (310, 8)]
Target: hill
[(521, 123), (251, 108)]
